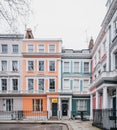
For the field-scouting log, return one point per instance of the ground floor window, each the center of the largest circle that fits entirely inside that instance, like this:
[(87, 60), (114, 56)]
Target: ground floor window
[(37, 105), (8, 104), (82, 105)]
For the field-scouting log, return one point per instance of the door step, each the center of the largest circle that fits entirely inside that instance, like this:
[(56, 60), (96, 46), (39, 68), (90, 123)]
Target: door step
[(53, 118)]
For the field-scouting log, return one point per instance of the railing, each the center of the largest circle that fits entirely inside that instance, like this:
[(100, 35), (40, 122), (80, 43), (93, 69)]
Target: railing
[(105, 118), (23, 115)]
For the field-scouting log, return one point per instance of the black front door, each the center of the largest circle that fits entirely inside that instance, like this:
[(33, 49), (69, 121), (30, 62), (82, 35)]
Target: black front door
[(54, 109), (64, 109)]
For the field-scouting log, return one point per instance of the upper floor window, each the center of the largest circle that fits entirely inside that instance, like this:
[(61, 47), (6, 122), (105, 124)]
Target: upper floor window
[(66, 66), (41, 65), (4, 84), (51, 65), (15, 84), (76, 67), (30, 48), (4, 65), (99, 54), (37, 105), (115, 26), (76, 84), (14, 65), (4, 48), (86, 67), (15, 48), (30, 65), (41, 84), (51, 48), (52, 84), (85, 85), (41, 48), (116, 60), (66, 84), (104, 46), (30, 84)]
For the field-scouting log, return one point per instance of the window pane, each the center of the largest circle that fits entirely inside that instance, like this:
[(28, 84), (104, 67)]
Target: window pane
[(9, 104), (4, 49), (37, 105), (76, 84), (15, 65), (86, 66), (51, 65), (116, 61), (15, 84), (4, 65), (15, 48), (82, 105), (30, 48), (66, 84), (41, 48), (52, 48), (76, 67), (4, 84), (30, 65), (52, 84), (66, 66), (41, 65), (41, 84), (30, 84)]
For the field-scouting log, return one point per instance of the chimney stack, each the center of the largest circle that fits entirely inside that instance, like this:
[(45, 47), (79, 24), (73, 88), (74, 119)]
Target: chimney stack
[(29, 34), (91, 44)]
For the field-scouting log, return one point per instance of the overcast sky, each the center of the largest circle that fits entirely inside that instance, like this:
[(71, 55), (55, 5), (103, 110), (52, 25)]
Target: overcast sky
[(74, 21)]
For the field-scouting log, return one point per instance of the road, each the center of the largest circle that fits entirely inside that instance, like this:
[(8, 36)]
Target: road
[(33, 127)]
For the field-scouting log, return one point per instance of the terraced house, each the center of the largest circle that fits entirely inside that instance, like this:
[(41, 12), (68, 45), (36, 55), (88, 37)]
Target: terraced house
[(40, 80)]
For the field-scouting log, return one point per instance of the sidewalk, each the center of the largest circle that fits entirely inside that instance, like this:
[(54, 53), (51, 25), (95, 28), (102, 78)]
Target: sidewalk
[(72, 124)]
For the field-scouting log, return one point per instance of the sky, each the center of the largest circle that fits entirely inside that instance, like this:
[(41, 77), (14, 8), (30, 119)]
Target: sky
[(73, 21)]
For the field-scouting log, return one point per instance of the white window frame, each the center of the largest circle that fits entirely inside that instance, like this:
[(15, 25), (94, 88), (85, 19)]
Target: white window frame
[(18, 84), (43, 48), (6, 85), (64, 84), (83, 67), (38, 84), (28, 48), (2, 48), (17, 66), (3, 66), (49, 65), (85, 86), (41, 105), (79, 108), (17, 49), (38, 65), (74, 66), (69, 66), (33, 84), (33, 65), (54, 48), (78, 85), (49, 84)]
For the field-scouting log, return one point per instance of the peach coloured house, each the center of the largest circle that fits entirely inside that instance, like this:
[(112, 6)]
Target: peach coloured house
[(41, 77)]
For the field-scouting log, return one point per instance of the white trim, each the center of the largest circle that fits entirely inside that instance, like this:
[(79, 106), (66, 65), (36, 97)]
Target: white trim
[(78, 84), (27, 47), (49, 64), (38, 83), (44, 64), (49, 83), (69, 66), (78, 66), (69, 84), (33, 65), (43, 47)]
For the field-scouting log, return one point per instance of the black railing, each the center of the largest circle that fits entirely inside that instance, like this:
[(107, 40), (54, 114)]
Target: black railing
[(105, 118), (21, 115)]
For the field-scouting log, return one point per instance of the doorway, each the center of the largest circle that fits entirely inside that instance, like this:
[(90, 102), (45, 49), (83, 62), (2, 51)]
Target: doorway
[(54, 109), (64, 107)]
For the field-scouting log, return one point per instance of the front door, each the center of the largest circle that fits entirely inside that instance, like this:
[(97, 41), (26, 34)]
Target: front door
[(54, 109), (64, 109)]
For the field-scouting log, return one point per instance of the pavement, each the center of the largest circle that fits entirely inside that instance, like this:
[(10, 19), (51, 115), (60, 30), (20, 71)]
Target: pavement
[(71, 124)]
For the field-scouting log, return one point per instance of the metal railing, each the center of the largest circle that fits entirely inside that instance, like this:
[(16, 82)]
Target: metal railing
[(23, 115), (105, 118)]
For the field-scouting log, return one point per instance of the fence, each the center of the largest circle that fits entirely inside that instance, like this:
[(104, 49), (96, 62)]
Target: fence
[(23, 115), (105, 118)]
